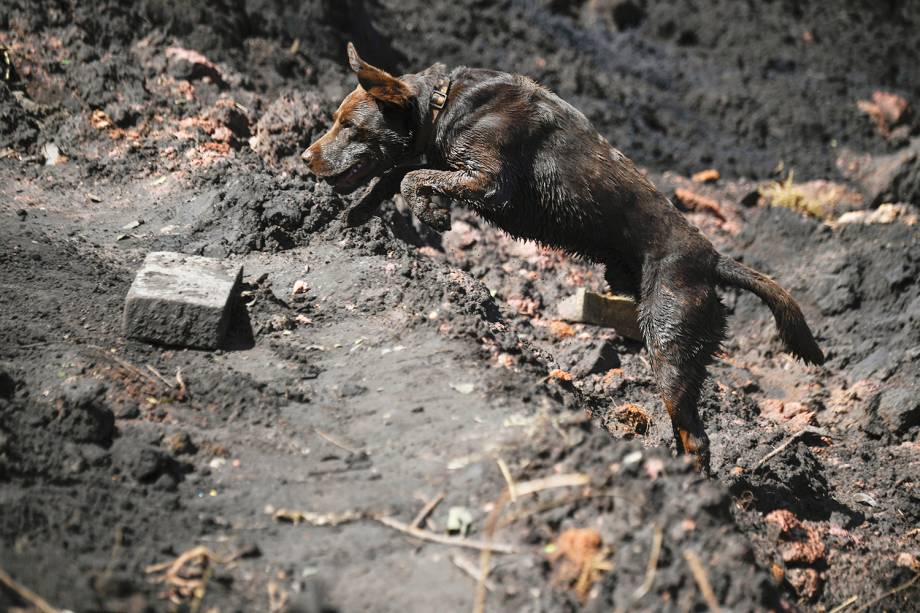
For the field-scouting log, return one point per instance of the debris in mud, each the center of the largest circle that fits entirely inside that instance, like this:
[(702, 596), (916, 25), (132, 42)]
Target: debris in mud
[(801, 550), (884, 214), (818, 199), (52, 154), (185, 578), (579, 560), (691, 201), (710, 175), (181, 300), (886, 110)]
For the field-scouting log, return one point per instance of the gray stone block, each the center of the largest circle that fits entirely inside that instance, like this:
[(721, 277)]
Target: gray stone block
[(181, 300), (617, 312)]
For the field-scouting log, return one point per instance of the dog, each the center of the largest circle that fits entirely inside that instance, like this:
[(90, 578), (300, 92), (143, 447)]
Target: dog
[(532, 164)]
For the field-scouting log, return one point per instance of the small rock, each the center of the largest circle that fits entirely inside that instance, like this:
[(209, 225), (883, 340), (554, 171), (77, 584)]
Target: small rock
[(463, 388), (459, 521), (899, 409), (52, 154), (885, 178), (866, 499), (133, 224), (180, 443), (128, 410)]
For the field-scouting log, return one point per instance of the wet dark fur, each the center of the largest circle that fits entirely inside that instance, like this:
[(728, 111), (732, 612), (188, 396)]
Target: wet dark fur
[(530, 163)]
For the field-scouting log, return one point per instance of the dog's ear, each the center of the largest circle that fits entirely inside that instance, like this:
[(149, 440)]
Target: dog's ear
[(378, 83)]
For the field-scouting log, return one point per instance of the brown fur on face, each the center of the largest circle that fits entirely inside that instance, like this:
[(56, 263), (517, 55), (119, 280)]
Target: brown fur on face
[(370, 130), (532, 164)]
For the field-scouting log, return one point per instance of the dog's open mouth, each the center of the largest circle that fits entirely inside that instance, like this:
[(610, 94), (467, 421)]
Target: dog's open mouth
[(350, 179)]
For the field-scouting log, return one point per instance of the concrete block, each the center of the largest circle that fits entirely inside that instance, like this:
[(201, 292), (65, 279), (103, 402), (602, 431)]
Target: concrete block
[(617, 312), (181, 300)]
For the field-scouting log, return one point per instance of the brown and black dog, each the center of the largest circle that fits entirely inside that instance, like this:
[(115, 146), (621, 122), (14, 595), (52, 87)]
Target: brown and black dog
[(530, 163)]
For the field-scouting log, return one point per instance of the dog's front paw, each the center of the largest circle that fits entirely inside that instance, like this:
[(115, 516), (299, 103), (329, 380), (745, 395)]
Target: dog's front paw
[(435, 217)]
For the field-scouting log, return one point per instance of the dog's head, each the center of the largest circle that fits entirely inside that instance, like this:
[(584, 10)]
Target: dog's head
[(371, 129)]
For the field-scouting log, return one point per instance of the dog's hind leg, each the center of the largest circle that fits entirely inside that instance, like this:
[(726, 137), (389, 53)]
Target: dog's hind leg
[(683, 322)]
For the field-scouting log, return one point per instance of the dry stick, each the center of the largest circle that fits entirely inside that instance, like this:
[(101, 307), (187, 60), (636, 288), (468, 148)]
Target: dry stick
[(538, 485), (657, 538), (520, 490), (702, 581), (26, 594), (844, 605), (506, 473), (456, 541), (123, 363), (181, 383), (159, 376), (427, 510), (470, 569), (479, 602), (335, 519), (789, 441), (890, 592), (337, 442)]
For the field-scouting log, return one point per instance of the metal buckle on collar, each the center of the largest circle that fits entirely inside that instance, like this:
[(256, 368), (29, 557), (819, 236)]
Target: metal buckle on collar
[(438, 99)]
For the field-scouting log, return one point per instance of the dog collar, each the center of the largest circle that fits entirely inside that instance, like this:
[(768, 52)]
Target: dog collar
[(439, 97), (436, 103)]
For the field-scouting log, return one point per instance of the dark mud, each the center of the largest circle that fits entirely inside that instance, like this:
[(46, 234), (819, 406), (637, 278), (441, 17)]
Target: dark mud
[(406, 364)]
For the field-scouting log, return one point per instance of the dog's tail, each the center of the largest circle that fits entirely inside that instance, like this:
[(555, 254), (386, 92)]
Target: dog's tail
[(789, 319)]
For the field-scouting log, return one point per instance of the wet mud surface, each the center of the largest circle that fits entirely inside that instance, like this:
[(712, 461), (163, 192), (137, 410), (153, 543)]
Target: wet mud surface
[(375, 369)]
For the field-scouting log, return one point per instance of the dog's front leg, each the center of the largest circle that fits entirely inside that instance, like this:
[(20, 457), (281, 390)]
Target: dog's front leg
[(418, 186)]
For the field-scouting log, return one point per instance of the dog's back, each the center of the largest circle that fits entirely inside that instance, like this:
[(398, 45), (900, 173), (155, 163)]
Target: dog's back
[(559, 182)]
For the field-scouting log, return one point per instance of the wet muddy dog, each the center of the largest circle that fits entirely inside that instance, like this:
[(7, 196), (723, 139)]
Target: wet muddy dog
[(530, 163)]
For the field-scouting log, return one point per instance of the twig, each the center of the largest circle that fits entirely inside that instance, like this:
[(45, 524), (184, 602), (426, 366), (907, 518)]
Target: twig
[(26, 594), (456, 541), (651, 569), (485, 566), (702, 581), (426, 510), (124, 364), (844, 605), (157, 374), (891, 592), (468, 567), (789, 441), (537, 485), (319, 519), (519, 490), (335, 519), (337, 442), (180, 382), (506, 473)]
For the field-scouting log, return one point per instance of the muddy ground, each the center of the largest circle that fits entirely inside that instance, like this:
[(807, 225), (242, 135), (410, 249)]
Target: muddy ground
[(416, 365)]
